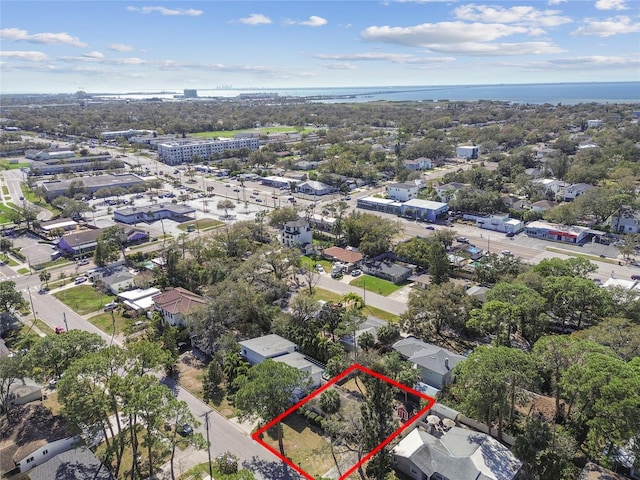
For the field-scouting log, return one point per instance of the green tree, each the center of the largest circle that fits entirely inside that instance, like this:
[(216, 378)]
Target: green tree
[(211, 385), (575, 300), (435, 308), (226, 205), (109, 246), (10, 301), (45, 276), (329, 401), (490, 382), (11, 372), (275, 384), (282, 215)]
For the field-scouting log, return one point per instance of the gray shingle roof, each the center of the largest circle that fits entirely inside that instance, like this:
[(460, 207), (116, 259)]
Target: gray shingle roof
[(76, 464), (427, 355)]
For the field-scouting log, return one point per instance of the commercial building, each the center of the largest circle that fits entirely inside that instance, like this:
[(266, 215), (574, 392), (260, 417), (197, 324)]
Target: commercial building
[(426, 210), (172, 211), (92, 163), (496, 223), (90, 185), (560, 233), (184, 151)]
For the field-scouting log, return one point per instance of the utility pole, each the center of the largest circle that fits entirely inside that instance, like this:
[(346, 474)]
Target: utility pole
[(64, 318), (206, 418)]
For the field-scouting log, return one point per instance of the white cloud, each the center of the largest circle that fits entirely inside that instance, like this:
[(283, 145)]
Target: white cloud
[(519, 15), (496, 49), (607, 28), (314, 21), (440, 33), (256, 19), (611, 5), (594, 62), (383, 57), (341, 66), (19, 35), (94, 55), (556, 2), (120, 47), (172, 12), (27, 56)]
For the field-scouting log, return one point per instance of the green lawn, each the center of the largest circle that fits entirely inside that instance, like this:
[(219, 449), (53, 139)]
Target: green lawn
[(595, 258), (105, 323), (375, 285), (261, 131), (310, 263), (327, 296), (5, 165), (83, 299), (202, 224)]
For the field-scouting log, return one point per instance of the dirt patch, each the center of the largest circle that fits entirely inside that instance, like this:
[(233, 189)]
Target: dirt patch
[(191, 372), (538, 406)]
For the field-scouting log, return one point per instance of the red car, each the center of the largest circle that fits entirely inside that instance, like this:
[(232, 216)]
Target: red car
[(60, 330)]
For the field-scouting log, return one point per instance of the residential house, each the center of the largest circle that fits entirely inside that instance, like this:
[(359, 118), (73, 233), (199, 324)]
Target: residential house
[(595, 123), (417, 164), (296, 233), (478, 292), (404, 191), (343, 255), (138, 300), (457, 454), (76, 464), (369, 325), (550, 186), (447, 191), (257, 350), (542, 206), (434, 363), (387, 270), (625, 220), (592, 471), (116, 280), (23, 393), (313, 187), (177, 304), (469, 152), (274, 347), (574, 191)]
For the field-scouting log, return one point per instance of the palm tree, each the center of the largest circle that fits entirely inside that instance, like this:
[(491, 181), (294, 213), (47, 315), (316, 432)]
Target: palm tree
[(45, 276)]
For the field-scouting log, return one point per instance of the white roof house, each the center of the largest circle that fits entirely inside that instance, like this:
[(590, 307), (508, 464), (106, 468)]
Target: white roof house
[(139, 299), (459, 454)]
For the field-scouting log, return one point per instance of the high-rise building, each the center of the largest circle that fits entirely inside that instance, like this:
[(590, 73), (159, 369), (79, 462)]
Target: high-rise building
[(190, 93)]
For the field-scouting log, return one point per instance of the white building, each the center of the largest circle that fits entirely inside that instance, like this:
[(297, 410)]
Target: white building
[(403, 191), (296, 233), (448, 191), (627, 220), (574, 191), (468, 152), (497, 223), (421, 163), (558, 233), (594, 123), (183, 151)]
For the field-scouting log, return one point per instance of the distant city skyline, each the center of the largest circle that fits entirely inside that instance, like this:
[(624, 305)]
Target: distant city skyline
[(121, 46)]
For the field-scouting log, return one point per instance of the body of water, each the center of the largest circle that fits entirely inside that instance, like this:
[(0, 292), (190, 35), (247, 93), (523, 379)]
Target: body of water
[(552, 93)]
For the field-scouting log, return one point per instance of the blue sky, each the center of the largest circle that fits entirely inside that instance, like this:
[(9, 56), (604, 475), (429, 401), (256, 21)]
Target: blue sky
[(115, 46)]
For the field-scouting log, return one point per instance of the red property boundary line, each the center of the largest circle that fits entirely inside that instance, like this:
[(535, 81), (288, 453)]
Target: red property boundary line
[(430, 402)]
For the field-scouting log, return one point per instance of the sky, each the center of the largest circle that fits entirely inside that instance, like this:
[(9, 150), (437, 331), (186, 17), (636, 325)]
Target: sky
[(146, 46)]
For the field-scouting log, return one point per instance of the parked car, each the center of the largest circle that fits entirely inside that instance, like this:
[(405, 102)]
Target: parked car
[(84, 261), (462, 239), (357, 272), (635, 277), (510, 234), (429, 227), (60, 329), (80, 280), (320, 268), (110, 306), (185, 430), (506, 252)]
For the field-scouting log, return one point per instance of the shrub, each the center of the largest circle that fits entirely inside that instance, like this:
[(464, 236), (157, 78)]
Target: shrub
[(226, 463)]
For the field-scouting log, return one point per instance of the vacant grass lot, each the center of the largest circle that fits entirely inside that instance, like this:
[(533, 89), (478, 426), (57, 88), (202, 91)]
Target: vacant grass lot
[(375, 285), (327, 296), (305, 445), (310, 263), (83, 299), (105, 323)]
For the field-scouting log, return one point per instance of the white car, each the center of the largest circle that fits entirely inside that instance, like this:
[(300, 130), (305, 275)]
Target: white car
[(507, 252), (320, 268), (356, 273)]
